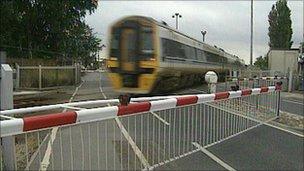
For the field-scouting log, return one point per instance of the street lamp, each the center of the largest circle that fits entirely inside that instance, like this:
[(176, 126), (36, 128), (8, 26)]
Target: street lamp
[(204, 33), (251, 32), (176, 16)]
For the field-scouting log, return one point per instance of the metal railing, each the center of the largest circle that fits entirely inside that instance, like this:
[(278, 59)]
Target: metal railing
[(143, 135), (252, 83)]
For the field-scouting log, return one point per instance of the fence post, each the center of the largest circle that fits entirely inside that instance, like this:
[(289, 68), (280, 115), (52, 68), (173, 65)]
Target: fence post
[(6, 99), (17, 77), (40, 77)]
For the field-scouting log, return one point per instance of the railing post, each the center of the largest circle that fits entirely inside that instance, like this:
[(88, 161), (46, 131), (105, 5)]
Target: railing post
[(40, 77), (278, 88), (278, 103), (6, 99)]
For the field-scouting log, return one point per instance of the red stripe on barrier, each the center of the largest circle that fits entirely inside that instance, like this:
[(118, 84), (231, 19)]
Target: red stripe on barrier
[(264, 89), (181, 101), (134, 108), (50, 120), (246, 92), (221, 95)]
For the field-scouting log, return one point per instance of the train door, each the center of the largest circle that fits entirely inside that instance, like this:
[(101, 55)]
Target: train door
[(128, 50)]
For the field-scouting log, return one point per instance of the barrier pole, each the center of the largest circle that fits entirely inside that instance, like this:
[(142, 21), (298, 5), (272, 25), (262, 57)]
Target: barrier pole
[(6, 95)]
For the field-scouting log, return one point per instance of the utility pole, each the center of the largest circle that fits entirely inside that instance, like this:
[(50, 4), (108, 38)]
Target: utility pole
[(176, 16), (204, 34), (251, 33)]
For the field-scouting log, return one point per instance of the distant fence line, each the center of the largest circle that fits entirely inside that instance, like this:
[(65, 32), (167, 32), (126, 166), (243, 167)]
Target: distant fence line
[(46, 77)]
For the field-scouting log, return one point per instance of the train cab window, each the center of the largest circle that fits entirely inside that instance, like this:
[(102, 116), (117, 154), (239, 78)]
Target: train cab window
[(147, 40), (114, 43)]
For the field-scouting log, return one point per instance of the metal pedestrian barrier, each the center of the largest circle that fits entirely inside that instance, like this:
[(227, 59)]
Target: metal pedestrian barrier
[(245, 83), (141, 135)]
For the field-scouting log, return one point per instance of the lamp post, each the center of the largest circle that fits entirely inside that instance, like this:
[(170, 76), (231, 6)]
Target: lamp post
[(204, 33), (176, 16), (251, 32)]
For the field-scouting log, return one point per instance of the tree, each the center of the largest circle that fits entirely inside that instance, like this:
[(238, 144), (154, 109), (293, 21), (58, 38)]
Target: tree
[(47, 29), (261, 62), (279, 30)]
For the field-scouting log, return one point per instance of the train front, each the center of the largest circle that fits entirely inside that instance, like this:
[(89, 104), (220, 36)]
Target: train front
[(133, 51)]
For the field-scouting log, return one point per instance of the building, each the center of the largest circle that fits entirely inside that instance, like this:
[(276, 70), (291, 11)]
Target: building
[(284, 61)]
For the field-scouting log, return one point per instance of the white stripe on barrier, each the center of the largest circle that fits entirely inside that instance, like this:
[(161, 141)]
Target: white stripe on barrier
[(256, 91), (162, 104), (9, 127), (234, 94), (96, 114), (205, 98)]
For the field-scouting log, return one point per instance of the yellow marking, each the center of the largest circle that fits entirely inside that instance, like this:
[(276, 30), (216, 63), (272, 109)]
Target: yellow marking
[(112, 63), (146, 81), (115, 80)]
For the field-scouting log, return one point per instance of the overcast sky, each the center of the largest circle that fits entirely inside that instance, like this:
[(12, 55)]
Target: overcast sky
[(227, 22)]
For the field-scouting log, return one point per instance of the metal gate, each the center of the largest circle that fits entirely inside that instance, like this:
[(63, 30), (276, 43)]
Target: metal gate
[(142, 135)]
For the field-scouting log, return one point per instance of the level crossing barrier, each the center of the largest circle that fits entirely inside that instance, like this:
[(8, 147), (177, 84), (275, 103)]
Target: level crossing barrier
[(141, 135), (245, 83)]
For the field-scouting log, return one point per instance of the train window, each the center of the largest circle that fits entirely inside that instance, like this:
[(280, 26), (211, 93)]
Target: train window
[(211, 57), (200, 55), (114, 43), (147, 40), (164, 47), (192, 54)]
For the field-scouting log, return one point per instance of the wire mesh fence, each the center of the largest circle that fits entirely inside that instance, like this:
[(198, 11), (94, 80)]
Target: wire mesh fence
[(143, 140), (41, 77)]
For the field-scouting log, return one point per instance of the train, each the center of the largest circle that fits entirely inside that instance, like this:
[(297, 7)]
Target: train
[(146, 56)]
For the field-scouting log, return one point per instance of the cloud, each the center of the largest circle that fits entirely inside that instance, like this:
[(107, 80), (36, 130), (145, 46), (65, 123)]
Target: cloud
[(227, 22)]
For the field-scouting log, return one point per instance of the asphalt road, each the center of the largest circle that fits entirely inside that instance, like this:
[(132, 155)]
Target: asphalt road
[(292, 105), (103, 145)]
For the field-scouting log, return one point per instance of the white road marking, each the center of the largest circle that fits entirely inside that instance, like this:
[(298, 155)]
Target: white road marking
[(291, 101), (46, 159), (133, 145), (262, 122), (283, 129), (135, 148), (161, 119), (213, 157)]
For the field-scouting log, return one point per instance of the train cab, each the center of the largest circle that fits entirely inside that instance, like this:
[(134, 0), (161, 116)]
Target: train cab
[(133, 57)]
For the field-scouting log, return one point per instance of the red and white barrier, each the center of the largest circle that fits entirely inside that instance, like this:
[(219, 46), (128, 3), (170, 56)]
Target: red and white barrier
[(17, 126)]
